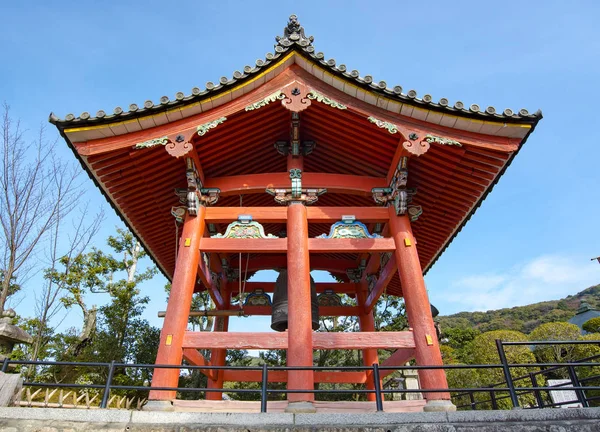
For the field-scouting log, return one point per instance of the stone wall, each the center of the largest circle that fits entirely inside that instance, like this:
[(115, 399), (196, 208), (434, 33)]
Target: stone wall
[(62, 420)]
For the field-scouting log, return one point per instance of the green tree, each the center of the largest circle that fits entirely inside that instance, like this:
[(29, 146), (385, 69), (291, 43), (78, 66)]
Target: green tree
[(116, 330), (589, 353), (555, 331), (592, 325), (483, 351)]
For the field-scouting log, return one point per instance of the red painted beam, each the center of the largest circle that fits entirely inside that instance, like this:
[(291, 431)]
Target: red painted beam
[(398, 358), (281, 376), (387, 274), (315, 245), (257, 183), (319, 245), (314, 214), (229, 245), (258, 340), (193, 357), (204, 273), (317, 262), (324, 311), (269, 287)]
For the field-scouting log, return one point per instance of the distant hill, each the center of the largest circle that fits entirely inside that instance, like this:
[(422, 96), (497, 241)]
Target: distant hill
[(523, 318)]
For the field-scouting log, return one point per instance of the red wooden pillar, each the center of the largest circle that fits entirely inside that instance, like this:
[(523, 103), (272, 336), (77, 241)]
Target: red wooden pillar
[(178, 309), (300, 347), (427, 350), (367, 324), (217, 356)]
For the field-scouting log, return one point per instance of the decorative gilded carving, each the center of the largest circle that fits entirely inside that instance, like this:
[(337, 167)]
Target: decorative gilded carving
[(178, 213), (258, 298), (314, 95), (204, 128), (296, 193), (152, 142), (441, 140), (414, 212), (266, 101), (245, 230), (349, 230), (390, 127), (329, 298)]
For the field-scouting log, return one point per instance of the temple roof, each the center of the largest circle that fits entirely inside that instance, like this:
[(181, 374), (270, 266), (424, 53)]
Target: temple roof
[(294, 39), (358, 125)]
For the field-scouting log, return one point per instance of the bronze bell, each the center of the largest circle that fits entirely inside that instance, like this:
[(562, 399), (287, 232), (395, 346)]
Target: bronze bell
[(279, 315)]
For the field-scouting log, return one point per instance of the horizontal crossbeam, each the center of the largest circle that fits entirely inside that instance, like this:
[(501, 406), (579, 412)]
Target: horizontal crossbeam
[(324, 311), (277, 214), (282, 376), (315, 245), (274, 340), (269, 287), (334, 183)]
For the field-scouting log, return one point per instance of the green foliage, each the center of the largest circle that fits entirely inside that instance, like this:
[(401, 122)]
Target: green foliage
[(459, 337), (589, 353), (555, 331), (482, 350), (13, 287), (119, 333), (592, 325), (524, 318)]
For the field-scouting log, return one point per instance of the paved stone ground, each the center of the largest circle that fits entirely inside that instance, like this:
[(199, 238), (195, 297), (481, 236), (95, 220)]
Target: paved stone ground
[(63, 420)]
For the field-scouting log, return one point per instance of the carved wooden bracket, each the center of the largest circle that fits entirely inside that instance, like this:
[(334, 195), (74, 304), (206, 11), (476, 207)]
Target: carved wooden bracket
[(195, 195), (397, 194), (295, 97), (180, 144), (296, 193)]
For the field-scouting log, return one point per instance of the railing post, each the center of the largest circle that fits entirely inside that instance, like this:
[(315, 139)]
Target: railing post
[(377, 383), (493, 399), (5, 364), (506, 369), (538, 395), (111, 370), (472, 398), (263, 389), (579, 392)]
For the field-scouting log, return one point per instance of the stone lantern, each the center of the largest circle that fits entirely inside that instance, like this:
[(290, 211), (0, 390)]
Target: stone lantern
[(10, 334)]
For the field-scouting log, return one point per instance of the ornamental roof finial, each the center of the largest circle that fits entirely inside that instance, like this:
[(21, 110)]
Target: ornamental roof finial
[(293, 33)]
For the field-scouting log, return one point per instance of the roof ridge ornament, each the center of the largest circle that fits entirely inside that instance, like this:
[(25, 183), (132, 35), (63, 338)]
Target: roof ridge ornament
[(293, 33)]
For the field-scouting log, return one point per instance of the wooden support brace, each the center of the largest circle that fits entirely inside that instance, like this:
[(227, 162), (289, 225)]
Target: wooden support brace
[(398, 358), (193, 357), (386, 276)]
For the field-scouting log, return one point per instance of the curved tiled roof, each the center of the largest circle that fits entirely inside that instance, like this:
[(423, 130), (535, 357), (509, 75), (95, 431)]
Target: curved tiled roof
[(294, 39)]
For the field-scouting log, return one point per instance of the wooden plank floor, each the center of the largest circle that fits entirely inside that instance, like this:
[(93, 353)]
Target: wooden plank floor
[(279, 406)]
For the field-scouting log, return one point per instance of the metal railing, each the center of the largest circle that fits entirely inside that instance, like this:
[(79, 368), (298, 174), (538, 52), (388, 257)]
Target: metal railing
[(578, 384), (535, 390)]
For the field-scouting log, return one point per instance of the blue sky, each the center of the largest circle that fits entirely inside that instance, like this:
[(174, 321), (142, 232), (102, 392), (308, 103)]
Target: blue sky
[(533, 237)]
